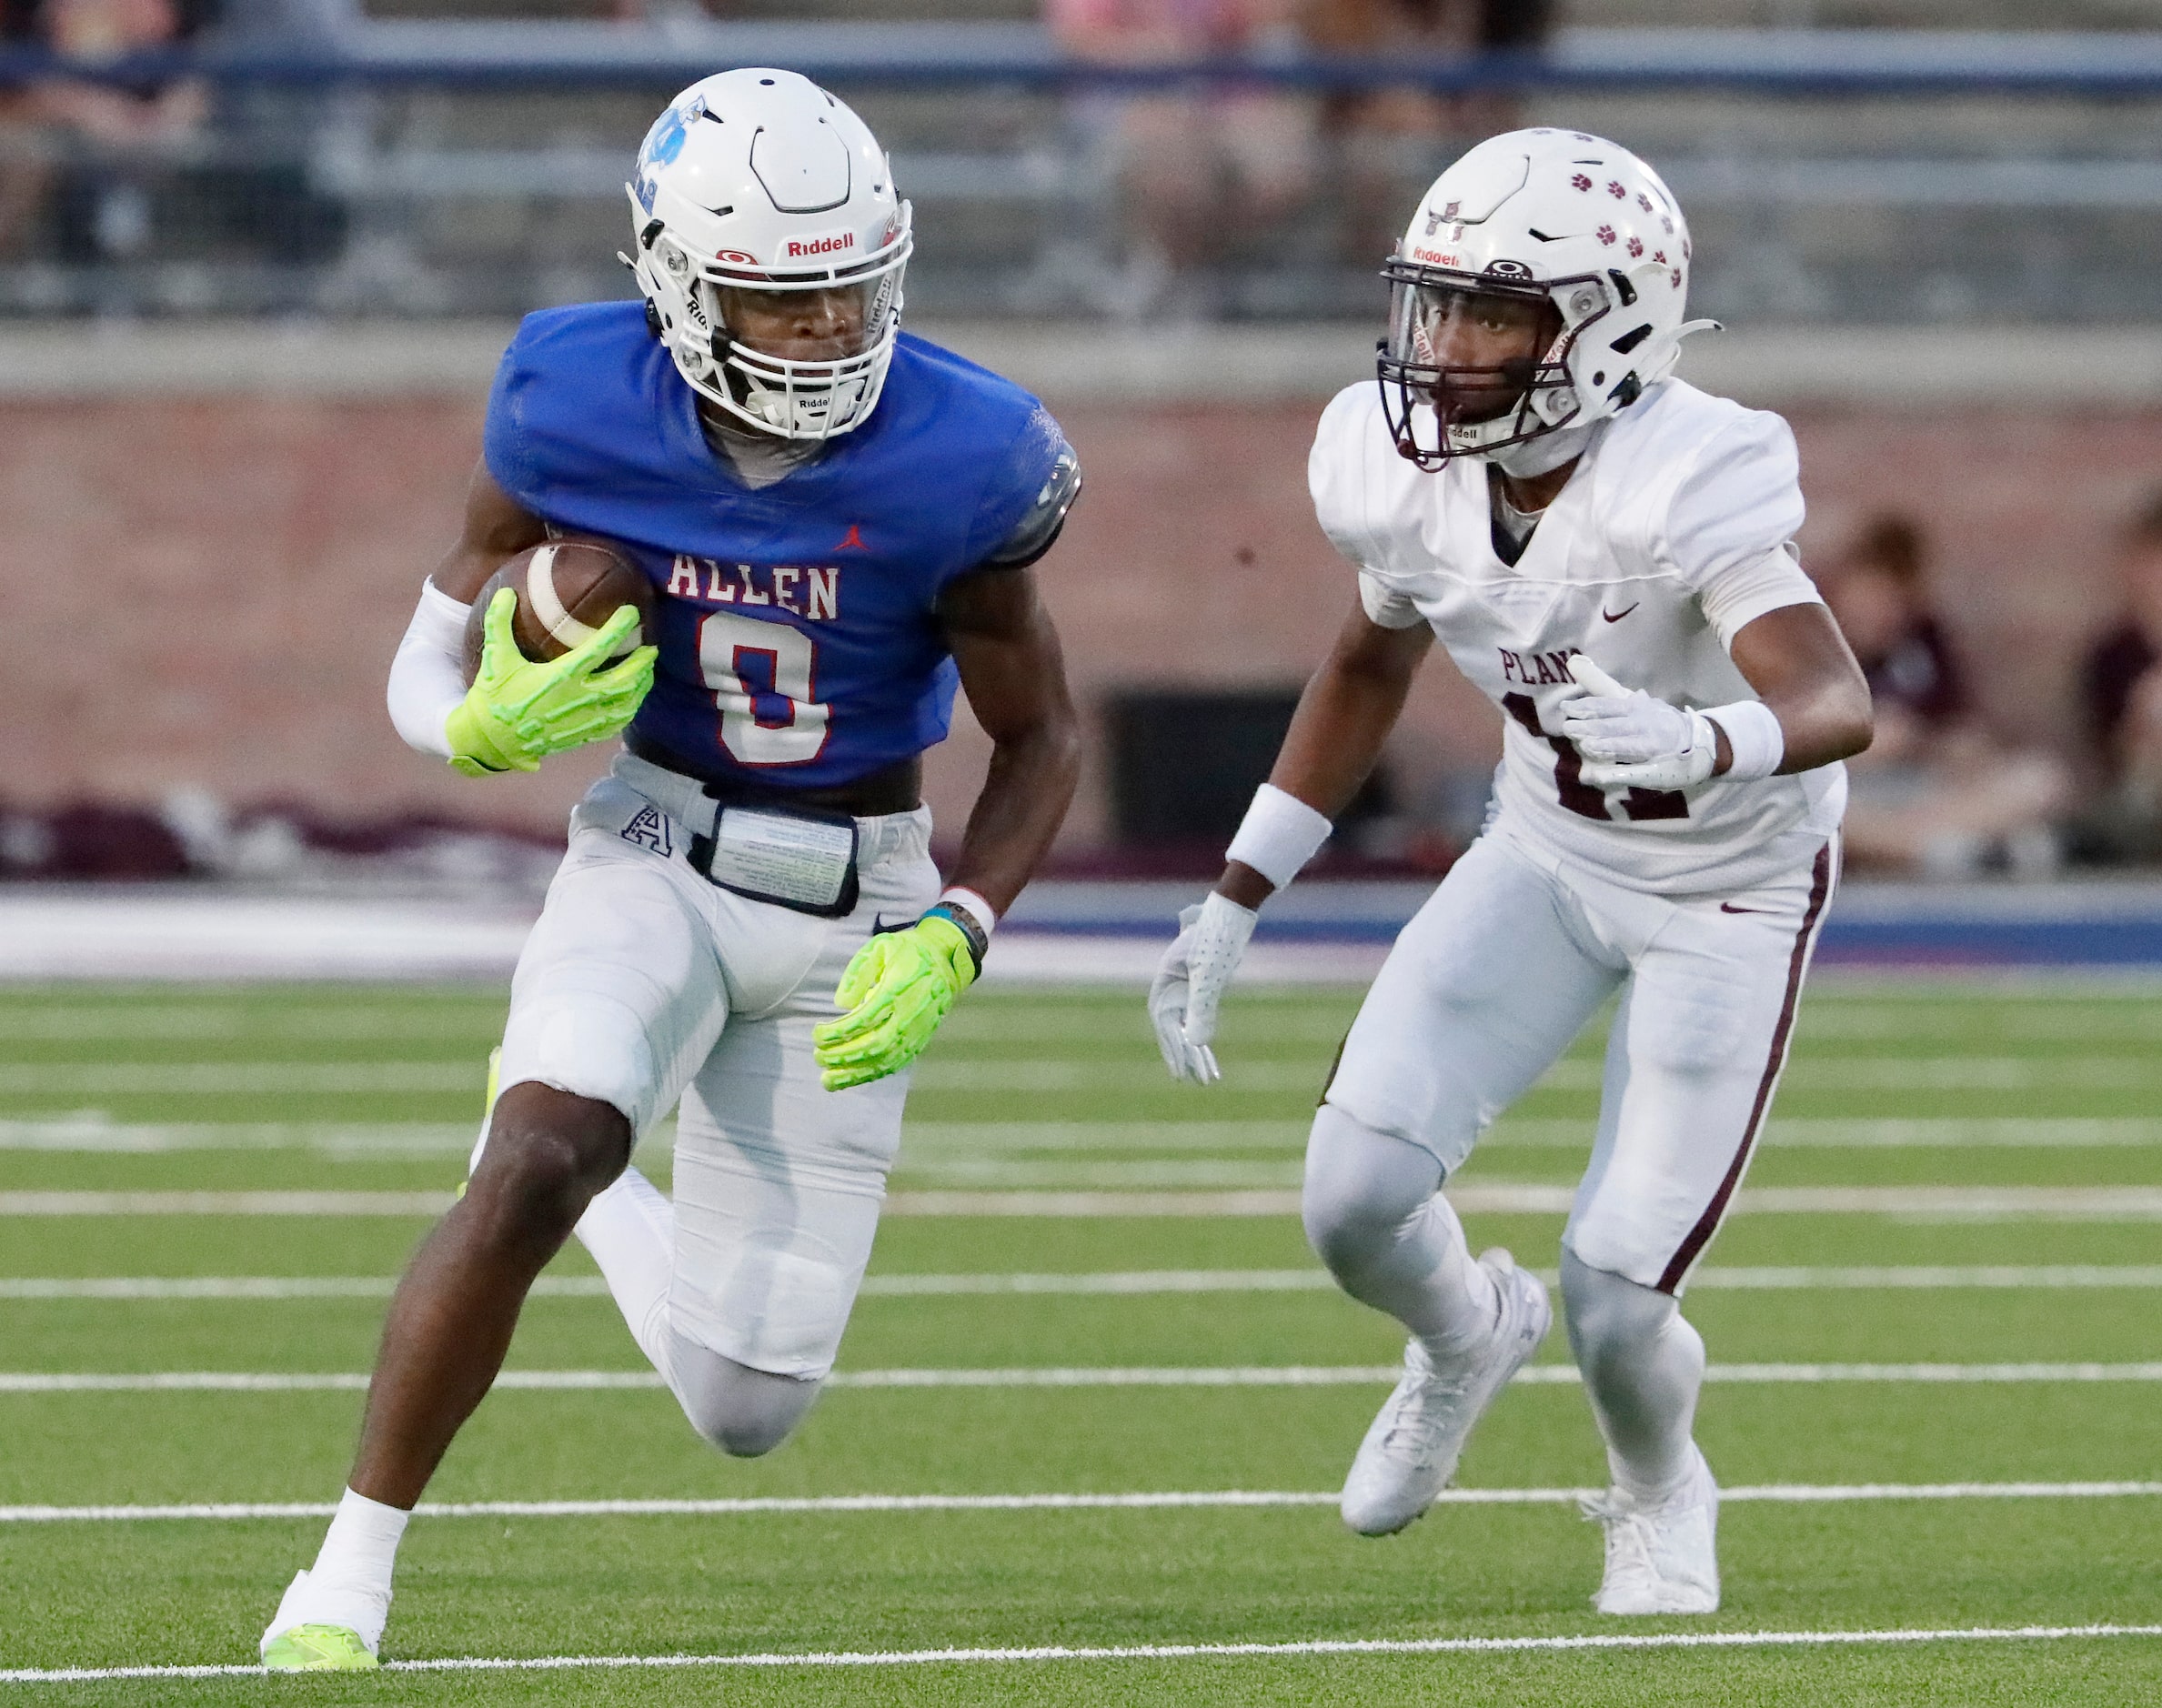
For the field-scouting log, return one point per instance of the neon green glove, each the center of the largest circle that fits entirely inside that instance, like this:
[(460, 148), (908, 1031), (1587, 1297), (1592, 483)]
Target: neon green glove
[(896, 992), (518, 712)]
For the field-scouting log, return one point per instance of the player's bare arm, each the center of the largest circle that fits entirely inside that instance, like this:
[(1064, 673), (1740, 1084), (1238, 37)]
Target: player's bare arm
[(1344, 715), (1014, 674), (1805, 674), (495, 527)]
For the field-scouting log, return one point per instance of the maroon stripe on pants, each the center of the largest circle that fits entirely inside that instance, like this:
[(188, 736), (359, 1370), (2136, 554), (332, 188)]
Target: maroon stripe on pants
[(1820, 891)]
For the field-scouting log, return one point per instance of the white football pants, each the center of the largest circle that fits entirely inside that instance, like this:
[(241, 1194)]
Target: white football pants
[(1499, 972), (642, 983)]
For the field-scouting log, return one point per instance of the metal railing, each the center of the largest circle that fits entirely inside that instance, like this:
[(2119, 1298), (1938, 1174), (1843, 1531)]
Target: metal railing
[(369, 166)]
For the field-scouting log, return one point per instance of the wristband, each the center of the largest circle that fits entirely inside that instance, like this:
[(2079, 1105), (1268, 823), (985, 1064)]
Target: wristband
[(973, 905), (1754, 737), (965, 921), (1278, 836)]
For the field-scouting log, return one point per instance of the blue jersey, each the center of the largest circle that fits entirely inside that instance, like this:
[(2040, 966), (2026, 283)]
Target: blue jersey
[(800, 644)]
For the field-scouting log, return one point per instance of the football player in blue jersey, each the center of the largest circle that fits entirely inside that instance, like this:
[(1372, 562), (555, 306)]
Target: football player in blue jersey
[(838, 520)]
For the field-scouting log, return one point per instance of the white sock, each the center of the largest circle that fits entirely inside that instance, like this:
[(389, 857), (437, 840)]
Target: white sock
[(631, 1231), (349, 1584), (1643, 1364), (1375, 1215)]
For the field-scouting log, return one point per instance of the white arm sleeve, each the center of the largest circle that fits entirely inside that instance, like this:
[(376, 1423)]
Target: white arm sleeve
[(1731, 525), (427, 677), (1740, 593), (1387, 606)]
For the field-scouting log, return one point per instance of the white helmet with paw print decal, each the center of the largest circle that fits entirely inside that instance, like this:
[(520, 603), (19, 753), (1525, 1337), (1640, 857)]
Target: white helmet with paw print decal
[(1555, 218)]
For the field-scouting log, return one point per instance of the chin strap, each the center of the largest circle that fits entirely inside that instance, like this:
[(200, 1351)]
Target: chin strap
[(1544, 454)]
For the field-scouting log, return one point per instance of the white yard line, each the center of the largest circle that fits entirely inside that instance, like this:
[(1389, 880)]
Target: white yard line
[(1954, 1203), (1774, 1493), (1821, 1073), (1114, 1282), (1920, 1133), (1158, 1651), (385, 1139), (225, 1204), (1015, 1074), (1060, 1173), (1094, 1376), (256, 1287), (1918, 1073), (338, 1018), (1951, 1203), (941, 1143), (228, 1078)]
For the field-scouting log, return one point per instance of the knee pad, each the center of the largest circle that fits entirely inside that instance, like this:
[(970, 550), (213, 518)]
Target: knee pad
[(1609, 1315), (743, 1411), (1361, 1186)]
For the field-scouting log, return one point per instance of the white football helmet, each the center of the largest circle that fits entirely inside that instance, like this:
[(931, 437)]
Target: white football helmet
[(759, 181), (1560, 218)]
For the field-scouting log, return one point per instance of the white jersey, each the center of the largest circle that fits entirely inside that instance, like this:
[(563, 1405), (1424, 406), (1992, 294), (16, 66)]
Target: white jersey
[(1674, 532)]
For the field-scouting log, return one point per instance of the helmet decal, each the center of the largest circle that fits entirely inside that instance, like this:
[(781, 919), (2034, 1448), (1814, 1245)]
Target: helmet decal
[(784, 192), (1517, 208), (663, 143)]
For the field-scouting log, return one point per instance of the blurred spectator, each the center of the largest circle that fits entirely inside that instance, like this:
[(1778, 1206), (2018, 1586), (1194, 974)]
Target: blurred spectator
[(1936, 795), (1388, 145), (103, 208), (2122, 691), (1202, 172)]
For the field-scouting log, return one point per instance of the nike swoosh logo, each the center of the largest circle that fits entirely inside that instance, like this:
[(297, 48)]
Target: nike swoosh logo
[(879, 927), (1728, 907), (1615, 616)]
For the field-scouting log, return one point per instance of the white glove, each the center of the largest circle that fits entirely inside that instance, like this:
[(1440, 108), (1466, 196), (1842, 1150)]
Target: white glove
[(1188, 988), (1628, 740)]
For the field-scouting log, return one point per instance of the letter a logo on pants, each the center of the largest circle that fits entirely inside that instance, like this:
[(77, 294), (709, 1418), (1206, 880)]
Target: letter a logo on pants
[(649, 829)]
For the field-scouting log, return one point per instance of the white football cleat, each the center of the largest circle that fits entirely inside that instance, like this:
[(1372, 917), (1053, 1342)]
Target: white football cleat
[(1662, 1559), (1411, 1450)]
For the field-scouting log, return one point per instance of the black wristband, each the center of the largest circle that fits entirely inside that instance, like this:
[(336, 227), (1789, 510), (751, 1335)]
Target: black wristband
[(978, 939)]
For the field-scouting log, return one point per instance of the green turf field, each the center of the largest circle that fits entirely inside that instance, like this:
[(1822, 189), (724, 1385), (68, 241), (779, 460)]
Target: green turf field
[(1946, 1276)]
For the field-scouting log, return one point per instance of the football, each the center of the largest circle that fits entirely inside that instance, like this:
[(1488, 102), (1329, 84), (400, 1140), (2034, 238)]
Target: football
[(566, 588)]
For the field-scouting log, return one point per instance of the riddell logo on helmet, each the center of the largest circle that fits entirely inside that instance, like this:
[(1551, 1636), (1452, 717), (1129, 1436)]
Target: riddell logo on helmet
[(803, 248)]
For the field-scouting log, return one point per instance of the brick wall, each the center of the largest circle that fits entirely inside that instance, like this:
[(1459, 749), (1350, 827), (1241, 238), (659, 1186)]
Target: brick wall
[(207, 592)]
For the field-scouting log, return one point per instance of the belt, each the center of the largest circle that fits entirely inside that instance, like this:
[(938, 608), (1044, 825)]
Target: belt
[(895, 787)]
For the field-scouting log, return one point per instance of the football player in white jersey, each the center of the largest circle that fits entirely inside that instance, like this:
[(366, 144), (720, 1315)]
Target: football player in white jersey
[(1606, 551)]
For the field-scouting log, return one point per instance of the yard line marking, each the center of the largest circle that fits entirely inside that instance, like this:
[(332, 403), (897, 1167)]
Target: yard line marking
[(1870, 1073), (225, 1078), (942, 1143), (1773, 1494), (1921, 1132), (1092, 1376), (1865, 1073), (973, 1138), (148, 1137), (1915, 1073), (225, 1204), (1116, 1282), (1969, 1203), (1136, 1174), (1153, 1652), (198, 1022), (246, 1287), (1950, 1277)]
